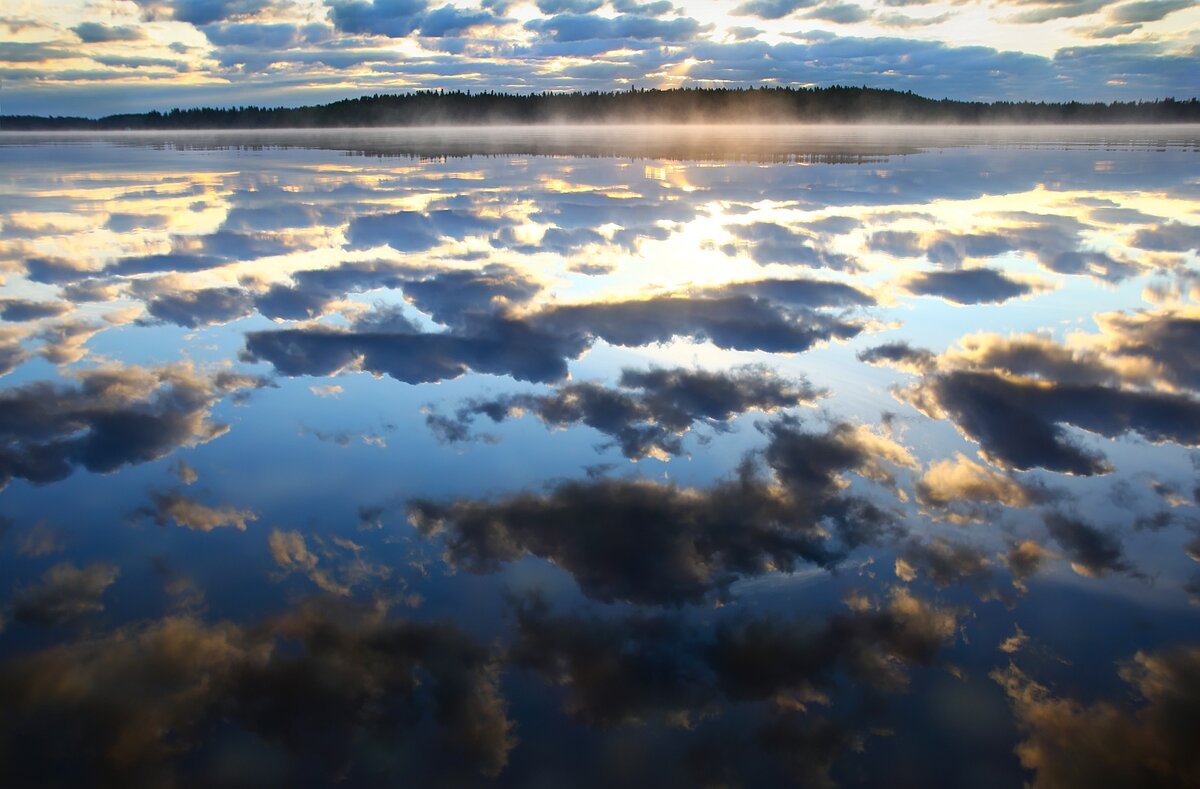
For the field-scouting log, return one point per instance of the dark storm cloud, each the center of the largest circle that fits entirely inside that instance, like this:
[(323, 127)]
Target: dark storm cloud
[(64, 594), (661, 668), (586, 27), (659, 544), (95, 32), (968, 286), (26, 310), (648, 413), (322, 684), (112, 416), (1074, 744), (1092, 552), (195, 308)]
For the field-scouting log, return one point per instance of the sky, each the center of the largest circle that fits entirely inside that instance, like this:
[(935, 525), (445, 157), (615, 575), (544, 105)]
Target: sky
[(96, 57)]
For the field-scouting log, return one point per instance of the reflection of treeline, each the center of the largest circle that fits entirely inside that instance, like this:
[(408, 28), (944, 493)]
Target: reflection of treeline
[(835, 104)]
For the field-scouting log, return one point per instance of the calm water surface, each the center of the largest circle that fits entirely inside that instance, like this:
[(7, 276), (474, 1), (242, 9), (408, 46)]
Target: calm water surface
[(601, 457)]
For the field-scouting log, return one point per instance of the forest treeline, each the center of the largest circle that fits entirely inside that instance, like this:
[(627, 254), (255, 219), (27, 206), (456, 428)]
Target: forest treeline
[(681, 105)]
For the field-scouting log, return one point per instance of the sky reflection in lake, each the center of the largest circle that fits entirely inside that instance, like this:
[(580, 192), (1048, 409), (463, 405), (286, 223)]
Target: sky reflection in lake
[(601, 457)]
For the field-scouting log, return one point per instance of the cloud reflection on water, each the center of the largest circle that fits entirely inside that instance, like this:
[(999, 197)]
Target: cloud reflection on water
[(849, 442)]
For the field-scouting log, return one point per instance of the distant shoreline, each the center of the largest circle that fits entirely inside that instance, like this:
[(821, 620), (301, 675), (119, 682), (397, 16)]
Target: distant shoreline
[(681, 106)]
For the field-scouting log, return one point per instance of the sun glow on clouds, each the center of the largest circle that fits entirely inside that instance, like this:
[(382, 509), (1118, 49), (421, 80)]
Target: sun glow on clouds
[(70, 56)]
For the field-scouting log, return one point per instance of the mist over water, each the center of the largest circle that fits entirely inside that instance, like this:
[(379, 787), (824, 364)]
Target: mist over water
[(566, 456)]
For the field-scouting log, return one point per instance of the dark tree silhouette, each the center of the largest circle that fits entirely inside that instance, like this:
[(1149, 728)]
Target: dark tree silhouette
[(681, 105)]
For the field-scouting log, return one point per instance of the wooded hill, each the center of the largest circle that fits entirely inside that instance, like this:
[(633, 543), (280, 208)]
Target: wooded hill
[(682, 105)]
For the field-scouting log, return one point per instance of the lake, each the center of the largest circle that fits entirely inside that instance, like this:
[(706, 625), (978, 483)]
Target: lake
[(629, 456)]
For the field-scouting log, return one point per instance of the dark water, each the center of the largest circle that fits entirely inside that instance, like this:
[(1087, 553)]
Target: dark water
[(618, 457)]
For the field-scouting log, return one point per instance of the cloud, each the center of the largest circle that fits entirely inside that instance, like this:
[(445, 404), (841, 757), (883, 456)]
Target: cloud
[(344, 567), (175, 506), (185, 473), (947, 563), (1168, 236), (586, 27), (64, 594), (12, 355), (1092, 552), (31, 52), (95, 32), (200, 12), (1147, 10), (649, 412), (195, 308), (772, 9), (112, 416), (275, 36), (661, 668), (1119, 381), (401, 18), (26, 310), (774, 243), (552, 7), (39, 540), (497, 345), (961, 490), (986, 406), (446, 295), (968, 286), (770, 315), (1024, 559), (1068, 743), (905, 22), (900, 355), (840, 13), (1114, 31), (659, 544), (1058, 9), (321, 684)]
